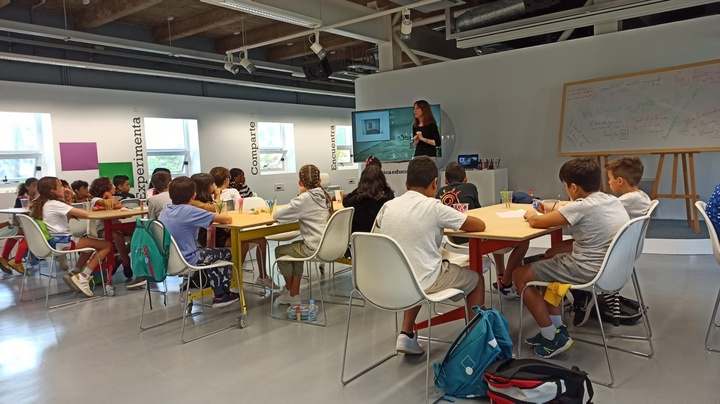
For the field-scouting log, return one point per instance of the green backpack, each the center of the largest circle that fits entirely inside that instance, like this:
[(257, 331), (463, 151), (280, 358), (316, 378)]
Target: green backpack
[(148, 255)]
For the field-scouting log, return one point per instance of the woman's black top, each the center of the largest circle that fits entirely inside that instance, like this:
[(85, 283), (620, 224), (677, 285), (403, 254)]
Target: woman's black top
[(429, 131), (366, 209)]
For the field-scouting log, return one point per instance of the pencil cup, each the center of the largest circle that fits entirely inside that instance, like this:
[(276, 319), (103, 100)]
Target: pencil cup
[(506, 198)]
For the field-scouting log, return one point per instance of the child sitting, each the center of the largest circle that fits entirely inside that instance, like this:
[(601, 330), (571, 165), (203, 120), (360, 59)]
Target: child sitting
[(624, 175), (594, 218), (102, 191), (367, 199), (80, 191), (458, 190), (122, 187), (51, 209), (237, 181), (221, 176), (713, 209), (312, 208), (416, 220), (26, 190), (182, 221)]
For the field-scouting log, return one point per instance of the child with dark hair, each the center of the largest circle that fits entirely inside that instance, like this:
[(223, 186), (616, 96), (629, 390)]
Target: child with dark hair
[(51, 209), (416, 220), (80, 191), (624, 175), (26, 190), (122, 187), (238, 181), (182, 221), (102, 191), (367, 199), (373, 161), (593, 219)]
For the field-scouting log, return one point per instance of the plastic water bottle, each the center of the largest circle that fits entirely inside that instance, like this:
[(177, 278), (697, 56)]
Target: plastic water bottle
[(312, 312)]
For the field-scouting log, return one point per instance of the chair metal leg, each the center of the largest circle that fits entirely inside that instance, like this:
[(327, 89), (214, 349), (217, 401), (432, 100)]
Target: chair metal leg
[(710, 326), (522, 307), (607, 353), (347, 337), (53, 275), (427, 355)]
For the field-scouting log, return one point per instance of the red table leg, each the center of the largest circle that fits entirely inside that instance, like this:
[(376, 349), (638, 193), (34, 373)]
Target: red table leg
[(110, 228)]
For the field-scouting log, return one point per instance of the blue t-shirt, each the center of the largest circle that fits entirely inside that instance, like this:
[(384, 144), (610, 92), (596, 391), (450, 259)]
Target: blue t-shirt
[(182, 221), (713, 209)]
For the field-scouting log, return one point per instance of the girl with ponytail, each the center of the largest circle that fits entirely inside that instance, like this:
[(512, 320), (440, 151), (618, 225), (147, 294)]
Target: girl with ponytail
[(312, 208)]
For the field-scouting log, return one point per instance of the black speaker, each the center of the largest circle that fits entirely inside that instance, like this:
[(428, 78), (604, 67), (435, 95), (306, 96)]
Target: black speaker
[(317, 69)]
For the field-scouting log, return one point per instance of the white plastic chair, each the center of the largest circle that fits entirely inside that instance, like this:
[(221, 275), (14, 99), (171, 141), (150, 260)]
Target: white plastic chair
[(333, 245), (616, 270), (702, 206), (177, 265), (383, 276), (39, 246), (324, 180), (130, 203)]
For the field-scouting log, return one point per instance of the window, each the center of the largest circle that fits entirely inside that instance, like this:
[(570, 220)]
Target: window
[(276, 144), (344, 147), (23, 136), (169, 144)]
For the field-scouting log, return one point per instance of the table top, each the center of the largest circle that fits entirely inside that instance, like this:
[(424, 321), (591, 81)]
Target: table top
[(116, 214), (248, 219), (15, 211), (498, 228)]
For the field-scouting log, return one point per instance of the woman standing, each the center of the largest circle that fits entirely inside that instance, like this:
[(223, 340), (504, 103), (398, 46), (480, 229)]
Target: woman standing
[(426, 135)]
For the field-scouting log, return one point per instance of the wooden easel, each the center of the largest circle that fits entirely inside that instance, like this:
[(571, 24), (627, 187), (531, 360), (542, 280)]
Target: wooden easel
[(603, 159), (690, 196)]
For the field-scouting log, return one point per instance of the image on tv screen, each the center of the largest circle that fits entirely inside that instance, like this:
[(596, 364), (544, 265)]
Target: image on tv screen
[(386, 134)]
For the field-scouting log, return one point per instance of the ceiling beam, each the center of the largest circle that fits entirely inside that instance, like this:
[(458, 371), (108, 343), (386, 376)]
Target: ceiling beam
[(301, 47), (99, 13), (254, 36), (194, 24), (4, 3)]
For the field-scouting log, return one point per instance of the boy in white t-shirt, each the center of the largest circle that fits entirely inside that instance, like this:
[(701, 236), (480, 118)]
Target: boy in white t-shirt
[(221, 176), (624, 175), (416, 220), (593, 218)]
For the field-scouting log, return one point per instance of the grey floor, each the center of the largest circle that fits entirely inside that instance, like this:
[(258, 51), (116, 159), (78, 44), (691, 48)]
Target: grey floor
[(94, 352)]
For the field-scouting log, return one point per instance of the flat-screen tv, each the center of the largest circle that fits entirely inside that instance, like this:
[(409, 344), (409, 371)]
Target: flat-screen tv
[(386, 133)]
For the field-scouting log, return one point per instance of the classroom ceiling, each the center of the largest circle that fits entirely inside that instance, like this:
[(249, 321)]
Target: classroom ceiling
[(207, 26)]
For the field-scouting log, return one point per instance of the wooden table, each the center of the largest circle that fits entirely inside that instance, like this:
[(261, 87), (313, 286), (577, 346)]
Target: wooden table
[(499, 233), (15, 211), (110, 221)]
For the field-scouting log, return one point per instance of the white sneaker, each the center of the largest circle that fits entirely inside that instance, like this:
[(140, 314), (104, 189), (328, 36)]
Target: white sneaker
[(62, 262), (81, 282), (408, 345), (287, 299)]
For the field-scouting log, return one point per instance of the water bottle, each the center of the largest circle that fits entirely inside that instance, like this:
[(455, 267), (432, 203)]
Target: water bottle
[(312, 312)]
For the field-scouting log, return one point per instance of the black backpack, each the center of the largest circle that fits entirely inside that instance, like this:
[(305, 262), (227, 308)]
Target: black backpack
[(520, 381), (614, 308)]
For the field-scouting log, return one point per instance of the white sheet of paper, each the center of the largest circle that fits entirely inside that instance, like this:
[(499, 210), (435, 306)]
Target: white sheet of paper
[(511, 214)]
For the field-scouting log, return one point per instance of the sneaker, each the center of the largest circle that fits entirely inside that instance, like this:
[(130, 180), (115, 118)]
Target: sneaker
[(225, 300), (127, 271), (507, 293), (5, 266), (582, 307), (408, 346), (18, 266), (62, 262), (288, 299), (266, 283), (538, 338), (68, 281), (137, 283), (81, 281), (549, 348)]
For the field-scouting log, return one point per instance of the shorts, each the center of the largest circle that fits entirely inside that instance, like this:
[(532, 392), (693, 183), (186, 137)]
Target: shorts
[(453, 276), (9, 231), (67, 240), (561, 268)]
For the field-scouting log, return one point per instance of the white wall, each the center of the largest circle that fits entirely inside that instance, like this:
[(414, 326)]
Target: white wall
[(508, 104), (106, 117)]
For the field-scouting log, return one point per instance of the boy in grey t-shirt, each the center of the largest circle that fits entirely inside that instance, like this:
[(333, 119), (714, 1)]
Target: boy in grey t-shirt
[(594, 218), (624, 175), (417, 220)]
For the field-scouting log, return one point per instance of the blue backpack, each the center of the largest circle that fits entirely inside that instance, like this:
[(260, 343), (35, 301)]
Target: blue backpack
[(484, 340)]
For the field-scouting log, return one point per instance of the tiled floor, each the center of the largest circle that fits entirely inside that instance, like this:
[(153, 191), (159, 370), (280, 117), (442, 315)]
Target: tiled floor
[(94, 352)]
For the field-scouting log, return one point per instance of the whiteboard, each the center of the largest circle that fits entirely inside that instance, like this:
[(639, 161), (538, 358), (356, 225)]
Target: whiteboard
[(666, 110)]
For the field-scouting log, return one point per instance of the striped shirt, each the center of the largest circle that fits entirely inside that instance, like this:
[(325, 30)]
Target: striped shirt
[(244, 191)]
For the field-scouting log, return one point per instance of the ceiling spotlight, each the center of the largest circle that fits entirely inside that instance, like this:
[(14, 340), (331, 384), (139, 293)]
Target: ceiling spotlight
[(316, 47), (246, 63), (230, 66), (405, 26)]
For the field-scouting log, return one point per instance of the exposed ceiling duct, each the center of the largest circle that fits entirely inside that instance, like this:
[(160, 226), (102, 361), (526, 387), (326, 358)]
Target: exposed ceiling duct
[(499, 11)]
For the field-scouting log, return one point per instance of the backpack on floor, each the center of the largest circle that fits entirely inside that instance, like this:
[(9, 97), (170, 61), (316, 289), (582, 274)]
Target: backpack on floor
[(484, 340), (149, 257), (618, 309), (534, 381)]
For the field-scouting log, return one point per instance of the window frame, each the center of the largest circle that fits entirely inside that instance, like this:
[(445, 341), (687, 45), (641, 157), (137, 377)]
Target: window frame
[(351, 165), (186, 152), (35, 154), (286, 151)]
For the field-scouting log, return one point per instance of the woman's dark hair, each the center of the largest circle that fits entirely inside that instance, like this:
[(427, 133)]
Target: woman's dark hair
[(427, 114), (372, 160), (78, 184), (46, 186), (157, 170), (202, 184), (99, 186), (372, 184), (22, 188)]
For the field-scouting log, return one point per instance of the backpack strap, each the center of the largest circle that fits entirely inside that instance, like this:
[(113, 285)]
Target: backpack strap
[(588, 384)]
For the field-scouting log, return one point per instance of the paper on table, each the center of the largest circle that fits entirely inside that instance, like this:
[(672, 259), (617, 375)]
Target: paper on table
[(511, 214)]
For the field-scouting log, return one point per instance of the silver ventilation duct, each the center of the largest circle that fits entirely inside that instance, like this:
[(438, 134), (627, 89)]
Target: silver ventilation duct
[(499, 11)]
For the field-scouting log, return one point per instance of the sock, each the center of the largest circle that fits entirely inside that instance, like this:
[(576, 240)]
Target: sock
[(87, 272), (548, 332), (556, 320), (409, 334)]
